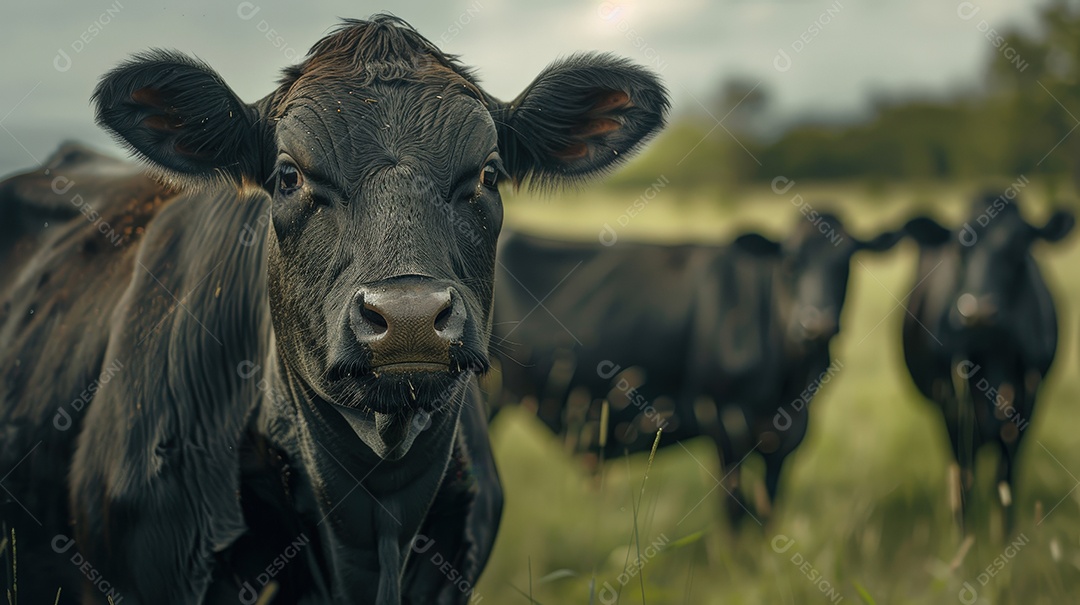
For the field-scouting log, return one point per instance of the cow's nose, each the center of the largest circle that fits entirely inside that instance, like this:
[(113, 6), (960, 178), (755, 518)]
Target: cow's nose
[(817, 324), (976, 310), (407, 321)]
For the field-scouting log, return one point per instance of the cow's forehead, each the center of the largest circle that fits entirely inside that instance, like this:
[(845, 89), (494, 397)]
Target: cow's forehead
[(350, 131), (1000, 234), (814, 237), (1001, 229)]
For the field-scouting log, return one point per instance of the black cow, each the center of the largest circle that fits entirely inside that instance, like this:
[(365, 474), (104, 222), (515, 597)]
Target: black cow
[(262, 371), (981, 332), (729, 341)]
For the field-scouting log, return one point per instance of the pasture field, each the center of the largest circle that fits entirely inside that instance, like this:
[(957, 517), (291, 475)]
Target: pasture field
[(863, 515)]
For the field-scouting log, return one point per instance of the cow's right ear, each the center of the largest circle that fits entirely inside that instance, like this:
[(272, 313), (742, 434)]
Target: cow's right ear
[(757, 245), (1057, 227), (881, 242), (926, 231), (181, 117)]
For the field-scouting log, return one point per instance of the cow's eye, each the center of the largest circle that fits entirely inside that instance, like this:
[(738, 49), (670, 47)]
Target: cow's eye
[(492, 170), (289, 179), (489, 175)]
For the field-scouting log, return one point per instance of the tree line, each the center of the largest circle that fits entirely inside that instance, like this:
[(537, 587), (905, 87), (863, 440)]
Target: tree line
[(1022, 119)]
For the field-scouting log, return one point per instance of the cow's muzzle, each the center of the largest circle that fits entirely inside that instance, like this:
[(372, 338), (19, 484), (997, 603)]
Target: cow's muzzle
[(407, 343), (408, 324), (815, 325), (976, 311)]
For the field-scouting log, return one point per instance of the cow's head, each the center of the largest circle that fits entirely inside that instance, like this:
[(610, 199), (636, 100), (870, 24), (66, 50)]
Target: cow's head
[(383, 158), (993, 254), (812, 266)]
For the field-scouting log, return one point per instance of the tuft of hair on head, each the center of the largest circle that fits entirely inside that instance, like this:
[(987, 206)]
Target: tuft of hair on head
[(830, 217), (995, 198), (383, 47)]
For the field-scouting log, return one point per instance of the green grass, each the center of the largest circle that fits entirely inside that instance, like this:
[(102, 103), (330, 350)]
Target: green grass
[(865, 497)]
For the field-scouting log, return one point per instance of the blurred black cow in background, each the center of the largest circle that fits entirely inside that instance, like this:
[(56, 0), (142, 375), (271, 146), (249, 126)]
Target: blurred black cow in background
[(729, 342), (981, 332)]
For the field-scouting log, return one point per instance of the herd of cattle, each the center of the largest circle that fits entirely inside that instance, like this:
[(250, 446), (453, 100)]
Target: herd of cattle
[(253, 375), (731, 342)]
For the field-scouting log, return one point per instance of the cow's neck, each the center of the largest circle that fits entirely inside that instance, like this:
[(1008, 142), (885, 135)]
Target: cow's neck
[(360, 503), (320, 434)]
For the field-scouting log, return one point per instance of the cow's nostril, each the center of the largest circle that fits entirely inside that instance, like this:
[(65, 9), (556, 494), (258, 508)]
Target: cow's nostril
[(372, 317), (369, 320), (442, 320)]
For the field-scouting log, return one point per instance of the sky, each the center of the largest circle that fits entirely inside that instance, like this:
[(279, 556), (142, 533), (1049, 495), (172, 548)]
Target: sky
[(815, 57)]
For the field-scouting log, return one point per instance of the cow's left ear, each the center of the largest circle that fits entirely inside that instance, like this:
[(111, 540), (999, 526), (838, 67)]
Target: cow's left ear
[(581, 116), (180, 116), (1057, 227), (882, 242)]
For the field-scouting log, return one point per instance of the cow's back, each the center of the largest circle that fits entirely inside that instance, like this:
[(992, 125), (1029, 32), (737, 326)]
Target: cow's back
[(70, 232), (103, 301), (1037, 334), (626, 305), (925, 328), (653, 328), (738, 343)]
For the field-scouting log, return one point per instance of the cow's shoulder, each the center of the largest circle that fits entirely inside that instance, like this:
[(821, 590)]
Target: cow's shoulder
[(190, 324), (517, 248), (938, 275), (1035, 326), (744, 311), (742, 275), (47, 190), (77, 193)]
